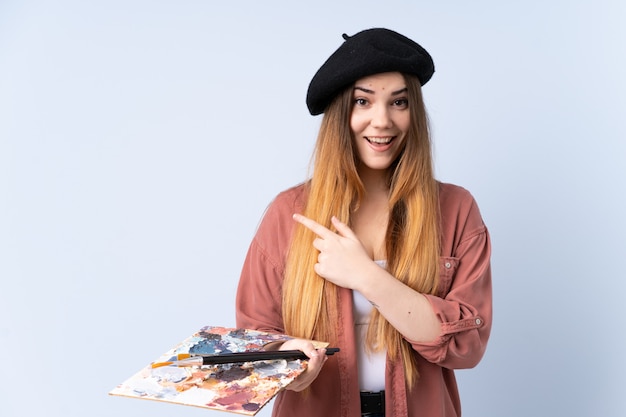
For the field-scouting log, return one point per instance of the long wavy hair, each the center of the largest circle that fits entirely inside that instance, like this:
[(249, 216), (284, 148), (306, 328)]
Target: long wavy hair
[(412, 241)]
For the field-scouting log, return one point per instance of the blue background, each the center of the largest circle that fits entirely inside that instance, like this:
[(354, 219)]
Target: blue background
[(140, 142)]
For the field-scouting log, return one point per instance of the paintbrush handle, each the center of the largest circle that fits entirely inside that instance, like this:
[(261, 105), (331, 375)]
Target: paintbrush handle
[(240, 357)]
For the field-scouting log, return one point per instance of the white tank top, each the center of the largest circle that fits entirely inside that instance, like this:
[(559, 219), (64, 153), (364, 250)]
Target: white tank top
[(371, 365)]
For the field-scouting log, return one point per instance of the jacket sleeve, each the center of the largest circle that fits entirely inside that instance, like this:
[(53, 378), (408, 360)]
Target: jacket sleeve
[(258, 304), (465, 304), (259, 292)]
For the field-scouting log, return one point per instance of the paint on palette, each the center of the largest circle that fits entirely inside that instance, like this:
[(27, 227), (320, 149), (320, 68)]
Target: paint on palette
[(238, 388)]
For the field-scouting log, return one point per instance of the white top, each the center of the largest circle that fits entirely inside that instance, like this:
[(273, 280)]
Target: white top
[(371, 365)]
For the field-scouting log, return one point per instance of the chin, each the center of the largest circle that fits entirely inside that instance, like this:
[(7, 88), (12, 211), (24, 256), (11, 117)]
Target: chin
[(377, 167)]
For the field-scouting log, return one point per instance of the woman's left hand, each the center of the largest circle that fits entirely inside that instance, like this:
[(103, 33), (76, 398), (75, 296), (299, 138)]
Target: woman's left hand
[(342, 259), (317, 359)]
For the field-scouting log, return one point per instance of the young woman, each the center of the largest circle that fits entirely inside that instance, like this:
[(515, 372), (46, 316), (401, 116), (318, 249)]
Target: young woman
[(372, 253)]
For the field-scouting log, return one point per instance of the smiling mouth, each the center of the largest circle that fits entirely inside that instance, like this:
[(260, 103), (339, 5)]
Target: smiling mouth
[(379, 140)]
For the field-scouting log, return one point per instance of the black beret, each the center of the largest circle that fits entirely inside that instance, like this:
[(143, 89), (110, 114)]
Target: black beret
[(371, 51)]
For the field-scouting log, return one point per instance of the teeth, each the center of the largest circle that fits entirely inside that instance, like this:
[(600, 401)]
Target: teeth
[(379, 140)]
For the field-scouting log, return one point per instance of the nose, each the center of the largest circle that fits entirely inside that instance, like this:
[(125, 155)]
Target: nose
[(381, 118)]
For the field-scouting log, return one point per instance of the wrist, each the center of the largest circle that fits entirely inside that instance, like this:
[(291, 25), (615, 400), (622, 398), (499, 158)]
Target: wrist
[(370, 279)]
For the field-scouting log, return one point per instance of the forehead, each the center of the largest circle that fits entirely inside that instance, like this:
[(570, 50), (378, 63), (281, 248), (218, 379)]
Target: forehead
[(384, 80)]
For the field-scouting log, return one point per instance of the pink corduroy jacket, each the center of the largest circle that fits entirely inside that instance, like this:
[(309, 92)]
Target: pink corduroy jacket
[(463, 304)]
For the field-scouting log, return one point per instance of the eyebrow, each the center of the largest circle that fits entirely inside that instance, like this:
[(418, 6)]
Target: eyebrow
[(394, 93)]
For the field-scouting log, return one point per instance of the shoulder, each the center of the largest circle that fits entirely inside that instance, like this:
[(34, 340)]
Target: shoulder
[(454, 198), (460, 215), (274, 231), (452, 194), (289, 201)]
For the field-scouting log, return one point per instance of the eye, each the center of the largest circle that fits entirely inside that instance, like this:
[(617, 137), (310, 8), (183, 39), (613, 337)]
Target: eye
[(401, 102), (360, 101)]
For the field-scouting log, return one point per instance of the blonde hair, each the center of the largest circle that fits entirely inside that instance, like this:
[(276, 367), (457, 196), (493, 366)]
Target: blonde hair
[(310, 303)]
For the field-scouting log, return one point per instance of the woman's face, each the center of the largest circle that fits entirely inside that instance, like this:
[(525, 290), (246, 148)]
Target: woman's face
[(380, 118)]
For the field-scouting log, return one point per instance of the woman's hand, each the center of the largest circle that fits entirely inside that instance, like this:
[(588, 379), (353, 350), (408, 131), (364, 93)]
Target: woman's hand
[(317, 358), (342, 259), (344, 262)]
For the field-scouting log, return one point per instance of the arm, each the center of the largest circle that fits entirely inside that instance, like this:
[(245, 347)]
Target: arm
[(407, 310), (343, 261), (258, 299), (259, 292), (450, 329), (465, 310)]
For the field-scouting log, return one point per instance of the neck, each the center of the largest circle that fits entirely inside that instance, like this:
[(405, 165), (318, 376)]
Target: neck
[(375, 181)]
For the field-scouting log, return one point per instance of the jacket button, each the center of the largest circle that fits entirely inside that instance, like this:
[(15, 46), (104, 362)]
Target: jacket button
[(478, 321), (447, 265)]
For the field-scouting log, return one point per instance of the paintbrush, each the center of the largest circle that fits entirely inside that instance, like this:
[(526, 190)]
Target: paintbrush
[(193, 359)]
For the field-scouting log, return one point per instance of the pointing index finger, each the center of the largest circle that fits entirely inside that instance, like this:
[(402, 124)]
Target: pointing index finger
[(312, 225)]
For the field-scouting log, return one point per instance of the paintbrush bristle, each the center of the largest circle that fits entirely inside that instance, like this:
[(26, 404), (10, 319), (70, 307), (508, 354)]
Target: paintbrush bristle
[(179, 357), (159, 364)]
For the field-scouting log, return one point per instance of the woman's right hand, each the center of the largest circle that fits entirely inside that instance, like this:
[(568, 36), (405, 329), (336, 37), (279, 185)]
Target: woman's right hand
[(317, 358)]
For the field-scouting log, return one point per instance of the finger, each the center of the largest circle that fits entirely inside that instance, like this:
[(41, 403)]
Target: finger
[(313, 226), (313, 354), (342, 228), (318, 361), (318, 244), (299, 344), (314, 366), (317, 268), (317, 358)]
